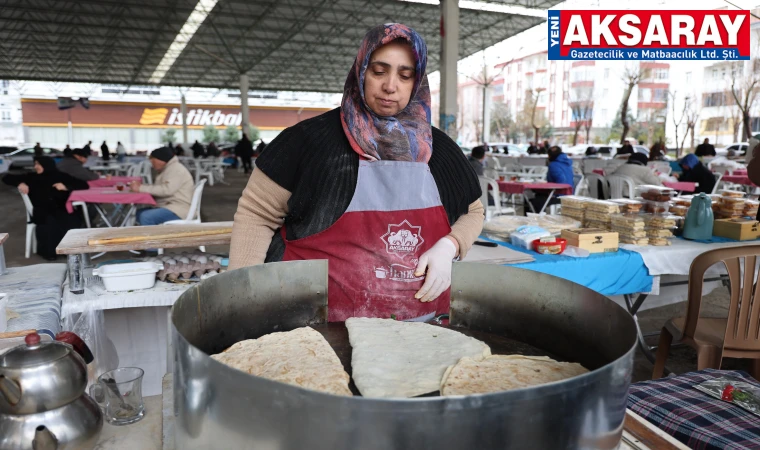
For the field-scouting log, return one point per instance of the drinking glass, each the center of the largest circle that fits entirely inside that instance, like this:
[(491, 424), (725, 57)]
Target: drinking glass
[(119, 394)]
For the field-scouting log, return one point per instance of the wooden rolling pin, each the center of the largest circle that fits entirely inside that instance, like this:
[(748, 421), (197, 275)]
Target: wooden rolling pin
[(14, 334), (122, 240)]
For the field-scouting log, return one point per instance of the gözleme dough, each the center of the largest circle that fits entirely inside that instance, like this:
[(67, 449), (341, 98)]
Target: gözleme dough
[(503, 373), (301, 357), (405, 359)]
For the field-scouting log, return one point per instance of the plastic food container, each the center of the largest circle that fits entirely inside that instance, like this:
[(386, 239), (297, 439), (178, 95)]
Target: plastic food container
[(128, 276), (733, 202), (659, 241), (628, 205), (603, 206), (628, 221), (661, 221), (657, 207), (524, 236), (574, 201), (656, 193), (550, 246), (596, 224), (679, 210), (597, 216), (683, 201), (632, 233), (625, 239), (730, 193), (659, 233), (575, 213)]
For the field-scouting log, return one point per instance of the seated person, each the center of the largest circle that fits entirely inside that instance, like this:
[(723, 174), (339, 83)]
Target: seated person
[(694, 171), (173, 189), (626, 149), (477, 159), (592, 152), (560, 171), (636, 168), (74, 166), (48, 189)]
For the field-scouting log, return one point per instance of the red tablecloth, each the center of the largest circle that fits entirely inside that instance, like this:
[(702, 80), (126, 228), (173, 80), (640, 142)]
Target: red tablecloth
[(113, 181), (740, 172), (684, 186), (737, 179), (109, 195), (515, 187)]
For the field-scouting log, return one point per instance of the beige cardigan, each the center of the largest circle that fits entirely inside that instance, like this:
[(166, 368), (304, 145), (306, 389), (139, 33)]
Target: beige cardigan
[(264, 204), (173, 188)]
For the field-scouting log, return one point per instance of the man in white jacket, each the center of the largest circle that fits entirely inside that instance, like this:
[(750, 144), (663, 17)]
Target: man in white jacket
[(636, 168), (173, 189)]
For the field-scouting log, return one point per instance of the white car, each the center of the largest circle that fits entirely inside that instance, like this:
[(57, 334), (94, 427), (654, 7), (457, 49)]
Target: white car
[(739, 147)]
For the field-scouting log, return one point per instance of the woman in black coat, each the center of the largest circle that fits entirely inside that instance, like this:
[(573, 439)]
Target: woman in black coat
[(48, 189)]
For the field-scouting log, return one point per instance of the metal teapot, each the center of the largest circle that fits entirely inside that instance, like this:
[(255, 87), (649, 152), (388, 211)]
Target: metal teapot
[(43, 405)]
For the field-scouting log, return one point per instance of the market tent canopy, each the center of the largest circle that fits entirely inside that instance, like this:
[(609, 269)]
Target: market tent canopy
[(302, 45)]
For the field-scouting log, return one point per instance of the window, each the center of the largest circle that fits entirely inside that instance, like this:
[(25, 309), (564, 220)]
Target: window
[(565, 75), (645, 95), (519, 67), (717, 99), (688, 77), (754, 124), (5, 115), (4, 87), (660, 74), (715, 124), (519, 88), (606, 74), (660, 95), (564, 95), (551, 79), (715, 73)]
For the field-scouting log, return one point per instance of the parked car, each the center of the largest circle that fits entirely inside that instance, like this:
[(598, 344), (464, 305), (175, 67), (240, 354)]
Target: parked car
[(512, 149), (24, 158), (6, 150), (641, 149), (739, 147)]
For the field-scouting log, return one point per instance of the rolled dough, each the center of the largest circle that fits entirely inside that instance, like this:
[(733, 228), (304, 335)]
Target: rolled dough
[(390, 358), (301, 357)]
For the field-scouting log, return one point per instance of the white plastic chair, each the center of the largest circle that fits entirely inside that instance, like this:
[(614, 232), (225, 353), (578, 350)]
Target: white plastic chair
[(496, 209), (580, 184), (717, 183), (31, 238), (620, 186), (660, 166), (193, 214), (592, 180)]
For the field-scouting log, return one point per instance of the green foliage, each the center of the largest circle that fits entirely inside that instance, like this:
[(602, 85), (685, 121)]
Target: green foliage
[(169, 136), (210, 133), (231, 134)]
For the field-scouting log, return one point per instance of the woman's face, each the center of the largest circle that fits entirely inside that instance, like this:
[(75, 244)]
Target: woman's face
[(389, 79), (38, 168)]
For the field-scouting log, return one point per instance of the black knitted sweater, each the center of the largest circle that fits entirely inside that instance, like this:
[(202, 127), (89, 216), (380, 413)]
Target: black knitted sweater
[(315, 163)]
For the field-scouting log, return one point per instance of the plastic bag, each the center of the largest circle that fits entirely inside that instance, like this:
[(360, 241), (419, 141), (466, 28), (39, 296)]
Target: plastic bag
[(90, 326)]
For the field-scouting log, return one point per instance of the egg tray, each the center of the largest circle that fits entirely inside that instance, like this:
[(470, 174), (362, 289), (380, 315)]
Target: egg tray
[(186, 266)]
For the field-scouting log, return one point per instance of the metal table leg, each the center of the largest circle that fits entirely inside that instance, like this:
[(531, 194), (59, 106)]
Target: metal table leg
[(2, 260), (548, 199), (633, 308)]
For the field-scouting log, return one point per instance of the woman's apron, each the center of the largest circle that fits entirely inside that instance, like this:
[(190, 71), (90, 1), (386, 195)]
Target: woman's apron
[(394, 216)]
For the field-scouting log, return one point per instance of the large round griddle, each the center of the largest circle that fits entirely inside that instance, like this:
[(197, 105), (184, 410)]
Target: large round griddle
[(512, 310)]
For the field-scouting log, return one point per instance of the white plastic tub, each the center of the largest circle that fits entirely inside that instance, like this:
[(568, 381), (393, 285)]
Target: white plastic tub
[(128, 276), (3, 312)]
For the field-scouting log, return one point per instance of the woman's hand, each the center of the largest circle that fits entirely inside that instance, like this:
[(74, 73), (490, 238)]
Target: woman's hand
[(437, 261), (60, 187), (134, 186), (23, 188)]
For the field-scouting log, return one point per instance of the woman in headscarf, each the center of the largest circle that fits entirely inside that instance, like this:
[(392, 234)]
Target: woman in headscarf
[(48, 189), (371, 186), (636, 168), (694, 171)]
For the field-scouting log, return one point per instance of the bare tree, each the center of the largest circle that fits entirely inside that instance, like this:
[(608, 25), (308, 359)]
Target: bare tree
[(692, 116), (745, 85), (535, 121), (501, 121), (734, 116), (678, 117), (582, 106), (631, 78)]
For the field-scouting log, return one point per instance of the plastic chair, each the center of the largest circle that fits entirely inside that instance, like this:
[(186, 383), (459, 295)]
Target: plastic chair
[(31, 237), (193, 214), (592, 181), (717, 184), (660, 166), (496, 209), (716, 338), (579, 182), (621, 185)]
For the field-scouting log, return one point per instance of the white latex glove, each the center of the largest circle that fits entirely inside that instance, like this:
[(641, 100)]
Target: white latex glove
[(437, 261)]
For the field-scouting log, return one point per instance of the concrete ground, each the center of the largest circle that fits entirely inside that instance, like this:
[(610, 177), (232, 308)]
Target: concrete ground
[(220, 202)]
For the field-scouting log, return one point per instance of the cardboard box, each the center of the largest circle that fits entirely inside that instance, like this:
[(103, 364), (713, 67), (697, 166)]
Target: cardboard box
[(739, 229), (594, 240)]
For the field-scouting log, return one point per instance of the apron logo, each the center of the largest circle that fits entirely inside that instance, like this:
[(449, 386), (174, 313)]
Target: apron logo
[(402, 239), (398, 272)]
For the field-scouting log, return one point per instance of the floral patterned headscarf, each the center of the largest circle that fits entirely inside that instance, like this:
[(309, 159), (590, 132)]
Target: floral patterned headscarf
[(407, 136)]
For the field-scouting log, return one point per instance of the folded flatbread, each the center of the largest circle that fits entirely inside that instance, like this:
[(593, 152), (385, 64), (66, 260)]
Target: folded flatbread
[(301, 357), (503, 373), (405, 359)]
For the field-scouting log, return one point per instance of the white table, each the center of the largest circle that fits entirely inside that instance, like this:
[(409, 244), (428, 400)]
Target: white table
[(136, 322)]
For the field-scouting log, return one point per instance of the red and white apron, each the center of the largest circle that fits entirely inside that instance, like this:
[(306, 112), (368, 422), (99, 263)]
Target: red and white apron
[(394, 216)]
